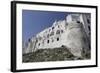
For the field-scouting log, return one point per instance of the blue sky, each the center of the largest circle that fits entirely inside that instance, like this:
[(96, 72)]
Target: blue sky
[(35, 21)]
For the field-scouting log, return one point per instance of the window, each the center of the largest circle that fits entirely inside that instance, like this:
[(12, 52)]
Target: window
[(36, 40), (52, 28), (88, 21), (58, 32), (57, 39), (52, 40), (66, 25), (52, 33), (47, 35), (58, 26), (78, 21), (89, 28), (62, 31), (29, 40), (47, 41), (39, 44)]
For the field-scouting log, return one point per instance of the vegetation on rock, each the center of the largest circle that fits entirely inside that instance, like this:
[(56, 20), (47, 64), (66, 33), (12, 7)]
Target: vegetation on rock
[(55, 54)]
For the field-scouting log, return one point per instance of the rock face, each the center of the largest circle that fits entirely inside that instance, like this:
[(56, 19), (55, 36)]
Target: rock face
[(69, 33)]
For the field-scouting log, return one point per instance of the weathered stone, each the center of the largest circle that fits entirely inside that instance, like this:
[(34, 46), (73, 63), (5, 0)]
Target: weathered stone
[(76, 38)]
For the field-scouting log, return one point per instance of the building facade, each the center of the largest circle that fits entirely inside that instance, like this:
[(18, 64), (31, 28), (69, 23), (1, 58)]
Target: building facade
[(73, 33)]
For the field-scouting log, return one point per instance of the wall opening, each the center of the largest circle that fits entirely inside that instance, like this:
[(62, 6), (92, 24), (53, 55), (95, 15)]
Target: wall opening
[(47, 41), (57, 39)]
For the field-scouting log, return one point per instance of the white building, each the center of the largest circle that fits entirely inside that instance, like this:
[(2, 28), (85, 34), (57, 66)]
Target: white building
[(73, 33)]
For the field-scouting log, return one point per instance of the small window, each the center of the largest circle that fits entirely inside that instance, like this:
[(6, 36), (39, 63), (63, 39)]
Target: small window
[(78, 21), (47, 35), (52, 40), (39, 44), (62, 31), (58, 32), (89, 33), (36, 40), (52, 28), (48, 41), (57, 39), (52, 33), (88, 21), (89, 28), (58, 26)]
